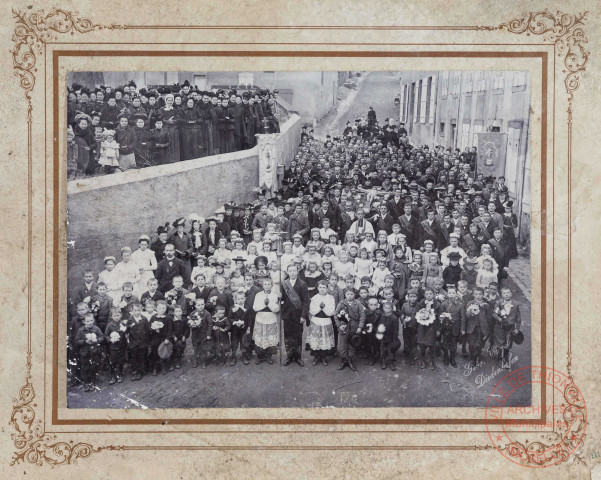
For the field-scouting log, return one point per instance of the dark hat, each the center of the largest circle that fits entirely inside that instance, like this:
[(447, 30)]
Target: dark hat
[(186, 84), (261, 258), (143, 91), (517, 337), (472, 259), (238, 259), (356, 340), (246, 341), (179, 222), (163, 228), (165, 350), (508, 204), (381, 250), (454, 256), (132, 84)]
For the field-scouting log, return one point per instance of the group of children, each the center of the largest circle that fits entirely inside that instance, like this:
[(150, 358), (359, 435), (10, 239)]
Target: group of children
[(363, 307)]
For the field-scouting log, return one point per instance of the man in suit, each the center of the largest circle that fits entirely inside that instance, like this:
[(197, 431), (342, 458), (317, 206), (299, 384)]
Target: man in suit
[(383, 220), (495, 217), (299, 223), (295, 312), (262, 218), (168, 268), (326, 210), (396, 204), (410, 226), (430, 230)]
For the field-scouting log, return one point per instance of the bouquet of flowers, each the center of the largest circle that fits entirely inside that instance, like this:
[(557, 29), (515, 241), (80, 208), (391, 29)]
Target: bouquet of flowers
[(380, 332), (473, 310), (238, 323), (194, 321), (171, 297), (114, 337), (122, 304), (440, 297), (123, 328), (91, 338), (368, 328), (191, 297), (425, 316), (95, 306), (157, 325), (504, 310), (446, 318)]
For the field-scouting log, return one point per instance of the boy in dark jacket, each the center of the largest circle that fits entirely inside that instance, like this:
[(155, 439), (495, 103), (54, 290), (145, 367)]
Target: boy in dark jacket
[(180, 331), (116, 340), (138, 332), (201, 328), (88, 340), (388, 335)]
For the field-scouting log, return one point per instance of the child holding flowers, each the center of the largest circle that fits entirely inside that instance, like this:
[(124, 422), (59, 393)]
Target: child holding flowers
[(221, 327), (427, 328), (160, 332), (475, 324), (201, 329), (88, 340)]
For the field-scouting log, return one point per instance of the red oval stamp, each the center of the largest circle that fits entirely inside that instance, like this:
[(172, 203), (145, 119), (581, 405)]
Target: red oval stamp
[(536, 436)]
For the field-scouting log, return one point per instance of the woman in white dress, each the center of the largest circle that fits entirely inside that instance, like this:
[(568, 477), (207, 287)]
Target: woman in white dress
[(320, 336), (128, 271), (266, 334), (146, 261)]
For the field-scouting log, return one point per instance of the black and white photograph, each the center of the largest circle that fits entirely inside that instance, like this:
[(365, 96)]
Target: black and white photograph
[(294, 239)]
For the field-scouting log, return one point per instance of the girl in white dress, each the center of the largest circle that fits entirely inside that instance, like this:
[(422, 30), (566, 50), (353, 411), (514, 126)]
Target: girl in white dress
[(343, 267), (111, 277), (146, 261), (364, 267)]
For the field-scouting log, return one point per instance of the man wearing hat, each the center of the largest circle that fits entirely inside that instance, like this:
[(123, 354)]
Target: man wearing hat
[(295, 313)]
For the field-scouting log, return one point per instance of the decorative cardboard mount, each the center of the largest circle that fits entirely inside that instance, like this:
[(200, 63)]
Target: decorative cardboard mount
[(268, 169)]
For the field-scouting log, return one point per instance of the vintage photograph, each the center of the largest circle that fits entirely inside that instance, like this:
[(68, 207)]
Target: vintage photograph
[(285, 239)]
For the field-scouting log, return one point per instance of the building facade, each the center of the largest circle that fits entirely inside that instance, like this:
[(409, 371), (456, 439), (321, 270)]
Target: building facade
[(450, 108)]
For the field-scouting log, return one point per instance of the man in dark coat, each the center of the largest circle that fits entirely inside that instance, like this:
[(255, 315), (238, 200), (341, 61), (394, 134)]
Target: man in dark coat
[(295, 312), (383, 220), (168, 268), (410, 226), (430, 230)]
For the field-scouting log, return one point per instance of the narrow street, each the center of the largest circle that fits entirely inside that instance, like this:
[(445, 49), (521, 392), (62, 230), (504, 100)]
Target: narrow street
[(376, 90)]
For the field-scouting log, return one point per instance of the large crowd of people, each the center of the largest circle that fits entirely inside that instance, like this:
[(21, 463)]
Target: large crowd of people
[(113, 129), (372, 248)]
